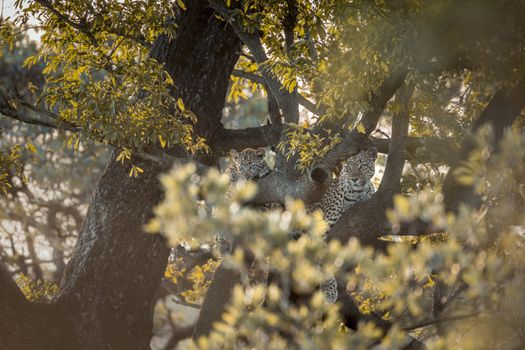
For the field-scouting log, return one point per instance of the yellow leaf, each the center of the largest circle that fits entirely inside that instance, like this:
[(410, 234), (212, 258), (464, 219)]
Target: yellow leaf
[(292, 85), (401, 203), (360, 128), (162, 141), (30, 61), (30, 147), (181, 4), (181, 105)]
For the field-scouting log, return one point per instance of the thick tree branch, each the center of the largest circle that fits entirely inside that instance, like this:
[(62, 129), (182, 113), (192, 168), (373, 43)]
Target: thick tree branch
[(397, 150), (273, 110), (303, 101), (17, 115), (23, 325), (239, 139), (253, 41), (350, 145), (11, 298), (178, 334), (217, 297), (276, 187), (289, 23)]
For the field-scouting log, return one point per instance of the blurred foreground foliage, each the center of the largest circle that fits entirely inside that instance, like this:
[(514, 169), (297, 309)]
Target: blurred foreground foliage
[(462, 291)]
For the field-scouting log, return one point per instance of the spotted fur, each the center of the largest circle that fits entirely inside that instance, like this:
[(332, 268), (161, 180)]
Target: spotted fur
[(351, 186), (248, 164), (329, 289)]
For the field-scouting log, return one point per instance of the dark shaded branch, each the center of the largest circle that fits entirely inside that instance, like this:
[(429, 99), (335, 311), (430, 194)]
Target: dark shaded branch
[(23, 325), (275, 187), (239, 139), (217, 297), (273, 110), (500, 113), (350, 145), (303, 101), (440, 320), (11, 298), (17, 115), (82, 27), (365, 222), (178, 334), (290, 20), (397, 149), (253, 41)]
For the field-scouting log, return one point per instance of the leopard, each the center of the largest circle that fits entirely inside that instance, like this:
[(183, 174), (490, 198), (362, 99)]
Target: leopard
[(247, 165), (353, 185)]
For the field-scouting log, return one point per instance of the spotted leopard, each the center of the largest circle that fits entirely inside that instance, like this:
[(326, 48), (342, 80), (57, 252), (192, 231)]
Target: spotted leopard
[(351, 186), (249, 164)]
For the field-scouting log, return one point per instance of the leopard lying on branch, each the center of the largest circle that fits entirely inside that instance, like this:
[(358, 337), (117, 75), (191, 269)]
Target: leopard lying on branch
[(351, 186)]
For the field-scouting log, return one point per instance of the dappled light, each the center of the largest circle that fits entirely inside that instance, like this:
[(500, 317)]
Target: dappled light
[(248, 174)]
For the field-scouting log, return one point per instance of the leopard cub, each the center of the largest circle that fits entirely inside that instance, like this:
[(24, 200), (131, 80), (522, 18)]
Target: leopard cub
[(249, 164)]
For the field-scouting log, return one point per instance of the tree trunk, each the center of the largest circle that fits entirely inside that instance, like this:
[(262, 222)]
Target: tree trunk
[(107, 293)]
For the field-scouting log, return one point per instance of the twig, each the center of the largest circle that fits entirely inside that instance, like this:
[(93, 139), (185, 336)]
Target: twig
[(440, 320)]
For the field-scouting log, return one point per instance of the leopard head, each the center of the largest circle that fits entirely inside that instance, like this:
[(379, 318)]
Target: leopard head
[(249, 164), (359, 168)]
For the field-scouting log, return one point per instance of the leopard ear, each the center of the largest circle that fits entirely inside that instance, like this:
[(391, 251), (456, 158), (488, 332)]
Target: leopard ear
[(234, 153), (261, 152), (372, 152)]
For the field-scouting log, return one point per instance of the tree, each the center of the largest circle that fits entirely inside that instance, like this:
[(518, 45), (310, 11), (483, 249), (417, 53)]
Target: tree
[(150, 79)]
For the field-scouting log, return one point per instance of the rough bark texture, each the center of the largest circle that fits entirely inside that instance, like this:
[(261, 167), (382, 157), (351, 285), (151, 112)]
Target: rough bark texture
[(109, 284), (107, 293), (217, 297), (25, 325)]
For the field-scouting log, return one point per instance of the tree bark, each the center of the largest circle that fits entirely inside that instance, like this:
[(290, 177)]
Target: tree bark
[(107, 293)]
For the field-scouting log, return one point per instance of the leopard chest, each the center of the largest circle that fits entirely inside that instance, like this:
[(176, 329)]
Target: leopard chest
[(341, 196)]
